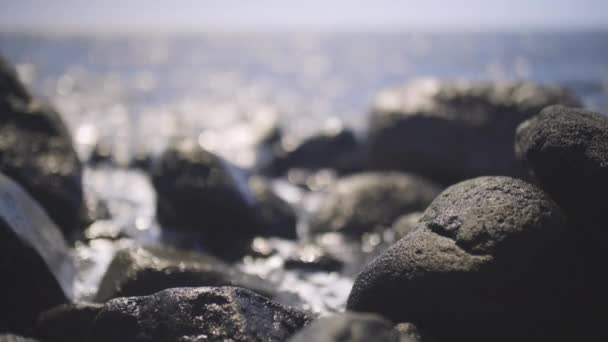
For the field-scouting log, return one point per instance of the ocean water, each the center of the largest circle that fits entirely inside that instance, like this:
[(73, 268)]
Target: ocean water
[(134, 93)]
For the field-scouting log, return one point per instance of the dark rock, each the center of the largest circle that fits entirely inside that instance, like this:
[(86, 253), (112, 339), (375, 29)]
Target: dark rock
[(196, 314), (450, 131), (67, 323), (275, 216), (36, 270), (336, 149), (362, 202), (487, 262), (36, 150), (567, 151), (352, 327), (200, 193), (313, 258), (143, 271), (10, 86), (14, 338)]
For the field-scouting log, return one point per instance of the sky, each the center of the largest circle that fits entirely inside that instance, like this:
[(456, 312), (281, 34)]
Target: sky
[(306, 15)]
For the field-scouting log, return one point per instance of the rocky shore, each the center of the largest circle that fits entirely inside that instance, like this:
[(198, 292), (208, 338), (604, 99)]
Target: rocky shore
[(469, 211)]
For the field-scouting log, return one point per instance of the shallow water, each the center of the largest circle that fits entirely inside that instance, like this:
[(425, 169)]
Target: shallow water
[(130, 95)]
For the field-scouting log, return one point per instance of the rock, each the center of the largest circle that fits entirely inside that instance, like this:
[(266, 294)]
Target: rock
[(409, 333), (142, 271), (36, 150), (36, 270), (334, 148), (450, 130), (200, 193), (567, 151), (275, 216), (352, 327), (196, 314), (14, 338), (362, 202), (67, 323), (10, 86), (313, 258), (488, 255)]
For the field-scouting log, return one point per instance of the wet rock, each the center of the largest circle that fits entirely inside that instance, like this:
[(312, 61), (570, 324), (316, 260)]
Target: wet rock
[(36, 150), (333, 148), (14, 338), (10, 86), (362, 202), (202, 194), (36, 270), (275, 216), (67, 323), (450, 131), (567, 151), (488, 255), (313, 258), (196, 314), (142, 271), (352, 327)]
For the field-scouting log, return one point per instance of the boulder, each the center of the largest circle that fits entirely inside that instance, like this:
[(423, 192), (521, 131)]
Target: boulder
[(362, 202), (36, 150), (354, 327), (202, 194), (487, 261), (139, 271), (335, 148), (453, 130), (406, 224), (36, 269), (567, 151), (196, 314), (67, 323)]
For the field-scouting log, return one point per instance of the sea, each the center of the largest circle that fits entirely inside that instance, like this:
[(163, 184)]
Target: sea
[(133, 93)]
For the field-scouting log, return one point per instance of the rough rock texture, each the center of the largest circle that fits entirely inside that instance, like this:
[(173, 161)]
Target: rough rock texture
[(35, 267), (36, 150), (275, 216), (336, 149), (450, 131), (200, 193), (141, 271), (196, 314), (487, 262), (14, 338), (362, 202), (567, 151), (67, 323), (353, 327)]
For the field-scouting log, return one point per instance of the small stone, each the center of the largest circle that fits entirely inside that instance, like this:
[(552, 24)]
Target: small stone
[(275, 216), (453, 130), (196, 314), (312, 258), (362, 202), (142, 271), (36, 270), (10, 84), (205, 196)]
